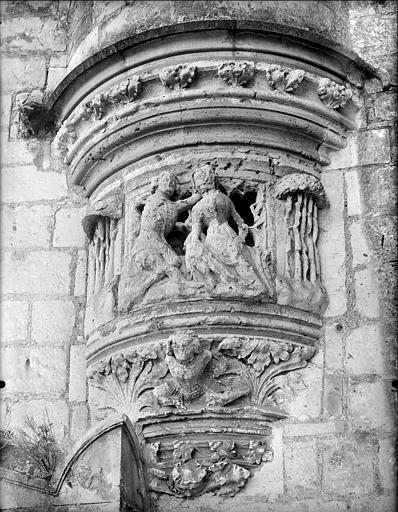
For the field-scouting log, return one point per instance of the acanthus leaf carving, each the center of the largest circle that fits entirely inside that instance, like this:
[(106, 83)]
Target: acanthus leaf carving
[(284, 79), (332, 94), (237, 73), (179, 76)]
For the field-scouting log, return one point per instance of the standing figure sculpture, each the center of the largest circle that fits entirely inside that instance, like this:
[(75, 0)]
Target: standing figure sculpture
[(152, 257), (215, 254)]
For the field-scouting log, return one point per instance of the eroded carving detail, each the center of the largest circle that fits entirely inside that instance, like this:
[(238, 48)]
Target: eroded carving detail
[(101, 226), (284, 79), (221, 467), (179, 76), (301, 284), (186, 360), (237, 73), (220, 259), (333, 95), (125, 378), (96, 108), (152, 257)]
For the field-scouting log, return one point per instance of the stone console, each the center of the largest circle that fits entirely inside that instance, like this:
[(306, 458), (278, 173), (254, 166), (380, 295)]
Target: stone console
[(200, 150)]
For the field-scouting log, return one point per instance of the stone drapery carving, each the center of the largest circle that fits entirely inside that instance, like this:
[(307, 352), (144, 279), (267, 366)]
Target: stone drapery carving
[(221, 259), (332, 94), (237, 73), (179, 76), (301, 285)]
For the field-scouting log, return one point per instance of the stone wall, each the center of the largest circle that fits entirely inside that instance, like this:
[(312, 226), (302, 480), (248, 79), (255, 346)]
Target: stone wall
[(335, 451)]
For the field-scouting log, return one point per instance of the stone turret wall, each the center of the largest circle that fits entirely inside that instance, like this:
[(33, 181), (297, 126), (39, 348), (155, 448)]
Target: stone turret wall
[(335, 451)]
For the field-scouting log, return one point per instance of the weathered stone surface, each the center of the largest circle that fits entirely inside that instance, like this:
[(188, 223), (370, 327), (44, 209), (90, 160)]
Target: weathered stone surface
[(364, 351), (81, 274), (349, 465), (68, 230), (334, 346), (34, 370), (354, 201), (24, 226), (388, 463), (38, 273), (52, 322), (367, 300), (14, 317), (23, 74), (332, 245), (371, 405), (301, 480), (360, 248), (27, 184), (79, 421), (77, 374), (333, 395)]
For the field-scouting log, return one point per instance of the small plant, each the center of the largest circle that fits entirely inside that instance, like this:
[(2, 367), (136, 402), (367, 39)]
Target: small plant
[(6, 437), (40, 447)]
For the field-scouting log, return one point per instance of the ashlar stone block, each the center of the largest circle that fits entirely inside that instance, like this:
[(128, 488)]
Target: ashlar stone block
[(52, 322), (14, 319), (37, 272), (25, 183), (364, 351), (349, 465), (68, 228)]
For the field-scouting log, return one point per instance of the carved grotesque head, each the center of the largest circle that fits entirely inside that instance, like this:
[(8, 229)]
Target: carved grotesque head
[(167, 182), (204, 179), (186, 345)]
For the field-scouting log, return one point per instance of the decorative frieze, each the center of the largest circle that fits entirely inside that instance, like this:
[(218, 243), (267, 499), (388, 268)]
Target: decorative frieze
[(332, 94)]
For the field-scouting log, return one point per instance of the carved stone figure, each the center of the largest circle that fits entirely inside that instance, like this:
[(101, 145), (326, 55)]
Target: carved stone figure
[(186, 360), (152, 257), (215, 254)]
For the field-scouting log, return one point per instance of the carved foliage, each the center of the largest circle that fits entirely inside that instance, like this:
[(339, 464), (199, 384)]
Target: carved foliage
[(258, 362), (221, 467), (238, 369), (178, 76), (237, 73), (125, 379), (96, 108), (284, 79), (333, 95)]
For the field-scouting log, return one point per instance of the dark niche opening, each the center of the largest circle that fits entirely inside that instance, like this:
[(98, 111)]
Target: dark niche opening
[(177, 236), (242, 202)]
